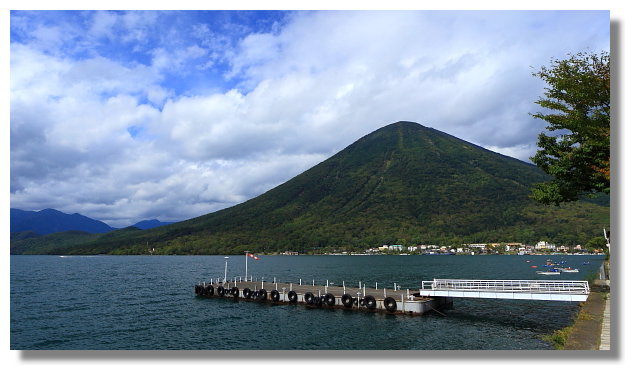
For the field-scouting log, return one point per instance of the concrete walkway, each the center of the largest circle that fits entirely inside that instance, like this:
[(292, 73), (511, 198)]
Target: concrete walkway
[(605, 338)]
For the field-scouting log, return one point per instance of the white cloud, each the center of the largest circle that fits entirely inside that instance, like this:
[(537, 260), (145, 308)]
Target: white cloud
[(115, 140)]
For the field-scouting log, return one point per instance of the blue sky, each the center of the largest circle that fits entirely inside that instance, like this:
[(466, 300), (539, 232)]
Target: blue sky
[(132, 115)]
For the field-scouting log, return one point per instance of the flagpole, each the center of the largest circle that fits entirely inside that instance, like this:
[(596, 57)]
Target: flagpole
[(246, 257), (225, 278)]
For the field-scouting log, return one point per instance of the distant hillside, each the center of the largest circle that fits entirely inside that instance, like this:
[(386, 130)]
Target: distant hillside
[(52, 221), (149, 224), (401, 184)]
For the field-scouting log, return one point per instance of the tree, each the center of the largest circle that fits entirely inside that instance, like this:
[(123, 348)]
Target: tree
[(596, 243), (577, 153)]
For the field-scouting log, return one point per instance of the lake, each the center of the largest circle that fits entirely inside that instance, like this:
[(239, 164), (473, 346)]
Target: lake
[(148, 303)]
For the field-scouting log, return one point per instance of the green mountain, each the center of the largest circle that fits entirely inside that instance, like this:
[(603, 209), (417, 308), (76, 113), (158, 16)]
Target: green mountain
[(403, 183)]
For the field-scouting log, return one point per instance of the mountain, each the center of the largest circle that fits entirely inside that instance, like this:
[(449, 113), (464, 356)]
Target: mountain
[(149, 224), (49, 221), (403, 183)]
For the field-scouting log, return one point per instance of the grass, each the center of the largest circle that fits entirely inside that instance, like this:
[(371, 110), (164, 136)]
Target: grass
[(559, 338)]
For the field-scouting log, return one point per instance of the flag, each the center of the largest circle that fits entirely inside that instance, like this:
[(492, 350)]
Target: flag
[(252, 256)]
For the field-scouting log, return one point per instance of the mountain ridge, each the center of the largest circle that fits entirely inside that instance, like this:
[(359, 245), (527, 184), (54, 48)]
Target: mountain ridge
[(402, 183), (49, 221)]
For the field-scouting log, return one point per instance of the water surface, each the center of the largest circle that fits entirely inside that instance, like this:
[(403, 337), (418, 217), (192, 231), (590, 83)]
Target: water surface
[(148, 302)]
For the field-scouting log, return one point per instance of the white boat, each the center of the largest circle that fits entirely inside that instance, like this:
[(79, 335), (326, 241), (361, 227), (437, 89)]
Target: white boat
[(569, 269), (550, 272)]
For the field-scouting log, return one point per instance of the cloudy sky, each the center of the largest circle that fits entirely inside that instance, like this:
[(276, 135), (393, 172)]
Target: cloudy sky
[(126, 116)]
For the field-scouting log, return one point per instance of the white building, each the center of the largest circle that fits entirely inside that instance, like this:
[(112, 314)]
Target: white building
[(544, 245)]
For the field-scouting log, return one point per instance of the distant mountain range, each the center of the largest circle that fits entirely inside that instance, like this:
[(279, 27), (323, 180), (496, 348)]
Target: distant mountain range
[(50, 221), (401, 184), (149, 224)]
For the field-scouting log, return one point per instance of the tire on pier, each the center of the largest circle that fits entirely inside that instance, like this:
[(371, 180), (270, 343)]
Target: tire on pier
[(293, 296), (347, 300), (234, 292), (308, 298), (221, 291), (390, 304), (246, 293), (329, 299), (197, 289), (317, 301), (262, 295), (370, 302), (209, 290), (275, 295)]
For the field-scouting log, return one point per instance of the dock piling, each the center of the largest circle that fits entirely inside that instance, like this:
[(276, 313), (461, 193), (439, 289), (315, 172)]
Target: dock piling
[(403, 305)]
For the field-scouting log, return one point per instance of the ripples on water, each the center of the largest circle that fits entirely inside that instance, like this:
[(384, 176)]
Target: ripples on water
[(147, 302)]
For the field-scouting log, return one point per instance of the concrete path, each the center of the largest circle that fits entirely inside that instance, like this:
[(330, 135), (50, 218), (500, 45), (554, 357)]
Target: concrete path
[(605, 338)]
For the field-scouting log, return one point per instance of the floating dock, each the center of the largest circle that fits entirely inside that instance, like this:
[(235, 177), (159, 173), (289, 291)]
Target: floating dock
[(394, 301)]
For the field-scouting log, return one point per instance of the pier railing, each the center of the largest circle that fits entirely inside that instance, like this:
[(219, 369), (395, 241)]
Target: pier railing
[(531, 286), (559, 290)]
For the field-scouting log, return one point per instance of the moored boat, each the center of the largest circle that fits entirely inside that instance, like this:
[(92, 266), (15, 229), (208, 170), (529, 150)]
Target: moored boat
[(550, 272), (569, 269)]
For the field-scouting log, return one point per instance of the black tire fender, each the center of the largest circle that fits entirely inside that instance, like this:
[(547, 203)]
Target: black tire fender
[(234, 292), (275, 295), (347, 300), (308, 298), (370, 302), (390, 304), (329, 299), (209, 290), (246, 293), (293, 296), (221, 291), (262, 295)]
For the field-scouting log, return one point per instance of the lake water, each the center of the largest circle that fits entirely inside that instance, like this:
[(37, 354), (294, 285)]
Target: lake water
[(148, 302)]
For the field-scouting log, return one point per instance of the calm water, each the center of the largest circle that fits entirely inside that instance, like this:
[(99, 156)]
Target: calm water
[(148, 302)]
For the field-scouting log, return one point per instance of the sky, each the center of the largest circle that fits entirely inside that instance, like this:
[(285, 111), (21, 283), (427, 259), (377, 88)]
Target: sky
[(125, 116)]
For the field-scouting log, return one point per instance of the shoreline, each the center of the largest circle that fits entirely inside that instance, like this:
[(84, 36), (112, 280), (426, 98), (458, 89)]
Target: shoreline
[(591, 327)]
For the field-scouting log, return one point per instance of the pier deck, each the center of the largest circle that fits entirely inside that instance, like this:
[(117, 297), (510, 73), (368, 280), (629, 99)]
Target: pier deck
[(381, 299), (432, 295)]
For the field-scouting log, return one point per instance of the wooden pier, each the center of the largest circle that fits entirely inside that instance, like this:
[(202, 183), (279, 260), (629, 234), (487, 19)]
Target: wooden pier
[(394, 301)]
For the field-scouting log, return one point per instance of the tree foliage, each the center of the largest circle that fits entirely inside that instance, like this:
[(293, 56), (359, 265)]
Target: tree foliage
[(596, 243), (577, 151)]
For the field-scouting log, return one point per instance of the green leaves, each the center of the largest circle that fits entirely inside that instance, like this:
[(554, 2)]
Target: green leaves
[(577, 153)]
